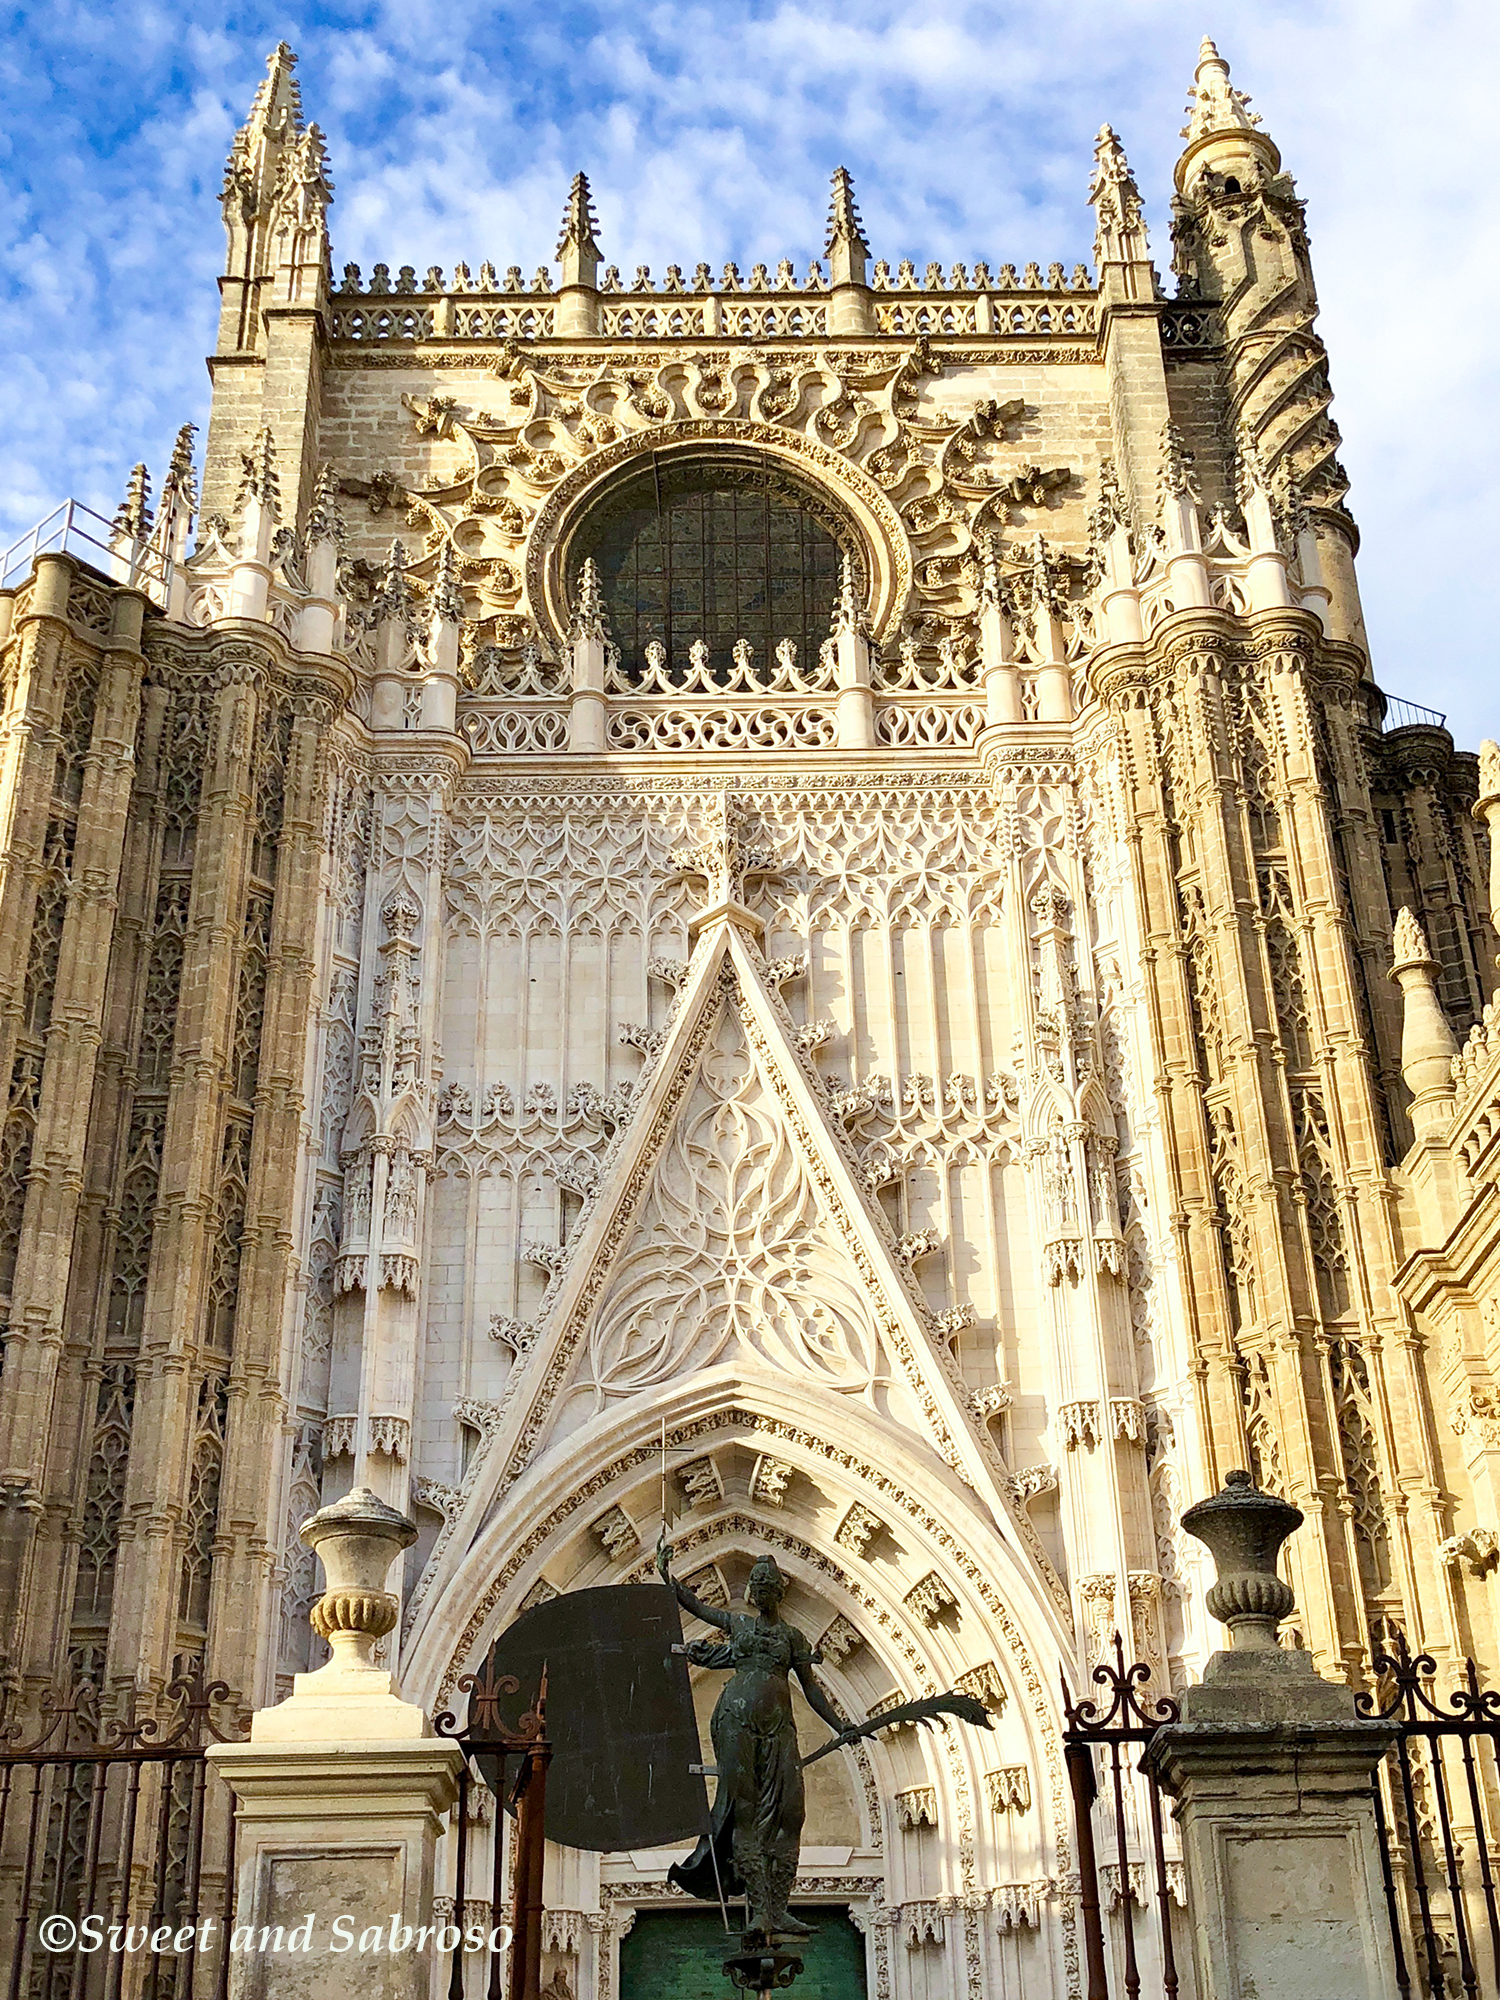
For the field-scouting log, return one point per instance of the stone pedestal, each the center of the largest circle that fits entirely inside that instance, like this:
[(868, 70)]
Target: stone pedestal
[(1271, 1776), (335, 1846), (1271, 1771), (340, 1796)]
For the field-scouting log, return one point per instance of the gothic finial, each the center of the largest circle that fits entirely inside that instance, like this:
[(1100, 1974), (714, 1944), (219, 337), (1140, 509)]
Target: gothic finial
[(1489, 768), (1409, 941), (848, 610), (394, 598), (134, 516), (589, 621), (1178, 480), (576, 247), (447, 598), (1221, 130), (181, 482), (1119, 217), (1251, 476), (1214, 105), (275, 120), (258, 480), (1109, 511), (325, 517), (844, 224), (989, 569)]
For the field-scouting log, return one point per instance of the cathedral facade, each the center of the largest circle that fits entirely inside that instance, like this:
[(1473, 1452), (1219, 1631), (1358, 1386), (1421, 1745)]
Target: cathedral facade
[(781, 902)]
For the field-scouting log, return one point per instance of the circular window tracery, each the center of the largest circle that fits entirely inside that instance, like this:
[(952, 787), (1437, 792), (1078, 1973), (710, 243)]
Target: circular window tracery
[(696, 552)]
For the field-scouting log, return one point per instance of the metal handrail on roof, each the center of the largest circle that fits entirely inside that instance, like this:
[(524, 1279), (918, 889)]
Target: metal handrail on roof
[(73, 529), (1411, 715)]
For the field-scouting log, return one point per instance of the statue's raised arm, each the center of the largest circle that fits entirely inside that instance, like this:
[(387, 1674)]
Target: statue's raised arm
[(710, 1614)]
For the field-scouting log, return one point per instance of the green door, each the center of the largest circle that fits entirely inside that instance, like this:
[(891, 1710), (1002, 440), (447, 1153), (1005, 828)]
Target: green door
[(679, 1954)]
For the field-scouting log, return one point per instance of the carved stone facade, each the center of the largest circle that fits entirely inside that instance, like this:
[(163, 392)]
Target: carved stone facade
[(943, 1079)]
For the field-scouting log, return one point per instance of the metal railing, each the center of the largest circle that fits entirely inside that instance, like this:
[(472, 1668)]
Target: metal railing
[(1116, 1738), (1436, 1794), (75, 530), (147, 1859), (488, 1744), (1411, 715)]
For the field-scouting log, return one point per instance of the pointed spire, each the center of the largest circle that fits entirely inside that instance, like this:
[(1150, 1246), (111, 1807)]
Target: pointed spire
[(447, 598), (180, 487), (1178, 481), (325, 518), (259, 480), (133, 520), (1222, 132), (394, 597), (1214, 105), (1119, 217), (275, 119), (576, 246), (845, 247), (589, 620)]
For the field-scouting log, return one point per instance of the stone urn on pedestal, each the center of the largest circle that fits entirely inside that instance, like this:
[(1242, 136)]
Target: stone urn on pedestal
[(357, 1539), (1270, 1768), (341, 1791)]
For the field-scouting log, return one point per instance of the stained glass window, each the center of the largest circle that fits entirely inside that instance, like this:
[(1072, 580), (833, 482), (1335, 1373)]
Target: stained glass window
[(707, 551)]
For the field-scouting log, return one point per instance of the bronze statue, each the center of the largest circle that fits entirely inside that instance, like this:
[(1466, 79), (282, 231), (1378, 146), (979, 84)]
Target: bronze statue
[(760, 1803)]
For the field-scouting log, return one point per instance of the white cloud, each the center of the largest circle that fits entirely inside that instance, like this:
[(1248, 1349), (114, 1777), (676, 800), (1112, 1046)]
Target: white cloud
[(709, 132)]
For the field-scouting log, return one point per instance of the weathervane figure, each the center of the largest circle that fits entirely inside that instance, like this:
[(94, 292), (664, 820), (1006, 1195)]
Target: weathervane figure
[(760, 1803)]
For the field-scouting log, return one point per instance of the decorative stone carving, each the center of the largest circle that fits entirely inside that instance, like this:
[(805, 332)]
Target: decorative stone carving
[(985, 1684), (858, 1529), (931, 1600), (1080, 1425), (1478, 1550), (1098, 1596), (769, 1481), (923, 1924), (987, 1404), (1243, 1530), (391, 1436), (839, 1641), (616, 1534), (701, 1483), (1127, 1419), (1008, 1789), (1031, 1483), (1018, 1905), (338, 1436), (916, 1807)]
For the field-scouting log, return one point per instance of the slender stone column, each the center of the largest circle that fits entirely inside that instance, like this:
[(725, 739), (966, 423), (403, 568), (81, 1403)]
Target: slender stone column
[(340, 1794), (1271, 1772)]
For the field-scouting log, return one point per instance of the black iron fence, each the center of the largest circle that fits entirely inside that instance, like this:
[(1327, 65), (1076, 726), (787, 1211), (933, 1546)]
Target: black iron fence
[(1436, 1796), (116, 1851), (511, 1962), (1114, 1798)]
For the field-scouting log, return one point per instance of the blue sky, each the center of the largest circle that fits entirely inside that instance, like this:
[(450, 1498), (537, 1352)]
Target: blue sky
[(710, 132)]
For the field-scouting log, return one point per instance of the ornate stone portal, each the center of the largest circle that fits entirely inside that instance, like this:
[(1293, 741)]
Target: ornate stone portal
[(909, 1034)]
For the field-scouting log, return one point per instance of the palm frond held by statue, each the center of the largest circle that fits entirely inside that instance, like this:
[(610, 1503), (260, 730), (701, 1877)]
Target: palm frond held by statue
[(965, 1707)]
